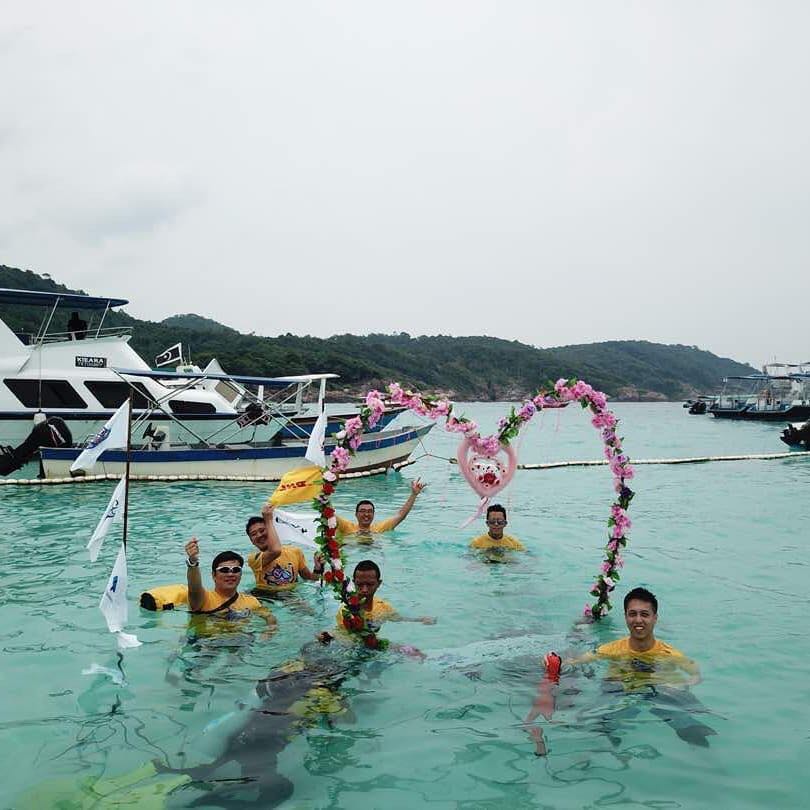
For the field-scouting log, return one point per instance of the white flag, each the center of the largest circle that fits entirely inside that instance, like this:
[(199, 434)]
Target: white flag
[(299, 528), (114, 513), (315, 452), (113, 436), (113, 602)]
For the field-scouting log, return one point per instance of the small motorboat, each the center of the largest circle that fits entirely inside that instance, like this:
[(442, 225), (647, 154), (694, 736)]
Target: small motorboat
[(797, 435)]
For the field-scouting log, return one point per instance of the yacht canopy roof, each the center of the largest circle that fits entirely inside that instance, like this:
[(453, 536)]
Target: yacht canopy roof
[(62, 299), (275, 382)]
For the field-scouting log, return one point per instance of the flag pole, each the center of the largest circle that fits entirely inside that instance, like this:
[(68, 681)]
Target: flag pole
[(126, 472)]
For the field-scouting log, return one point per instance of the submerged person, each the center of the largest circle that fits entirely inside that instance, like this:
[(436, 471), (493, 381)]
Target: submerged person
[(225, 601), (495, 539), (640, 665), (298, 694), (367, 579), (276, 568), (365, 526)]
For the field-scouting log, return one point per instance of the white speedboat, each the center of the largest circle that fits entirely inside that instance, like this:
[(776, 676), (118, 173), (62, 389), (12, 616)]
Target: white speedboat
[(378, 452)]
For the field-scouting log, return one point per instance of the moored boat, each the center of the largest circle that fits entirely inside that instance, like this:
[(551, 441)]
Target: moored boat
[(797, 435), (767, 396), (378, 451), (69, 375)]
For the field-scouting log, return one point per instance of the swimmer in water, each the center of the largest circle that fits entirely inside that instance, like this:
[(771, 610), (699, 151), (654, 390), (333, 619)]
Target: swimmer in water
[(639, 664), (365, 526), (495, 540), (276, 568), (367, 579), (225, 601)]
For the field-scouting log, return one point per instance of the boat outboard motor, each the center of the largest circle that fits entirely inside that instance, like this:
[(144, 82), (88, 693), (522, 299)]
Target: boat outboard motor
[(53, 432)]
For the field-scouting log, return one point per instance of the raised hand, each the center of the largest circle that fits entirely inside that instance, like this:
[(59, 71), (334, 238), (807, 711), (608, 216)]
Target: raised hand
[(417, 486), (193, 550)]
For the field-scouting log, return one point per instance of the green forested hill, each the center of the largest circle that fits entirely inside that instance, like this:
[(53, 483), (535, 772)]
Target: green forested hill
[(466, 367)]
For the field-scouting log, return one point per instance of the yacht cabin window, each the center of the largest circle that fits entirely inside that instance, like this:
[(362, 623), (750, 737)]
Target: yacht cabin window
[(45, 393), (112, 393)]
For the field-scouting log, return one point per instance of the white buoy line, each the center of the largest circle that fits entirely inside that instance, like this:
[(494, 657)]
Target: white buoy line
[(551, 465)]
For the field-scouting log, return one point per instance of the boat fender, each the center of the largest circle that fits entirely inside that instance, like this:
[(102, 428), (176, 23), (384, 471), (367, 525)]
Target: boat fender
[(165, 597)]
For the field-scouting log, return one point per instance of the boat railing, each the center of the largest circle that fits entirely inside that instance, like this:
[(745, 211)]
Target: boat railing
[(31, 339)]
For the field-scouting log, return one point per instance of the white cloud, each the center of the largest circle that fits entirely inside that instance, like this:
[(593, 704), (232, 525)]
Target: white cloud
[(556, 174)]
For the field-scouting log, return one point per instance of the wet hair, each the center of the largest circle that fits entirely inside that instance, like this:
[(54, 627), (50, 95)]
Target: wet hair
[(496, 507), (643, 595), (362, 503), (251, 521), (226, 555), (367, 565)]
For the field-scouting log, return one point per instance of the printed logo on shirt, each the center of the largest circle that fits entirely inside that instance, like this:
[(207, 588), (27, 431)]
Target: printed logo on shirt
[(278, 575), (233, 615)]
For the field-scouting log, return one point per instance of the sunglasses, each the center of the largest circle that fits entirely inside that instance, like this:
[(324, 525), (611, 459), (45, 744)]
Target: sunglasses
[(226, 569), (497, 522)]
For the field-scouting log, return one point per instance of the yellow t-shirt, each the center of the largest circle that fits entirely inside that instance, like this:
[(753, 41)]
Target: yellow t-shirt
[(346, 527), (282, 573), (380, 612), (506, 543), (661, 664), (241, 608)]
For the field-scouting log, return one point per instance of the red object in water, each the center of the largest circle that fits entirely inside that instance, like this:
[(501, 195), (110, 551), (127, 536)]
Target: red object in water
[(553, 664)]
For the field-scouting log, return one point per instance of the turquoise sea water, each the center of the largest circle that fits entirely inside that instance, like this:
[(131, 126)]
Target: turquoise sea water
[(723, 545)]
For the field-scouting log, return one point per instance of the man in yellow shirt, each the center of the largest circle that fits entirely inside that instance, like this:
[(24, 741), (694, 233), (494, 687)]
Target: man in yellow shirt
[(365, 526), (224, 601), (276, 567), (495, 539), (640, 659), (367, 579), (638, 664)]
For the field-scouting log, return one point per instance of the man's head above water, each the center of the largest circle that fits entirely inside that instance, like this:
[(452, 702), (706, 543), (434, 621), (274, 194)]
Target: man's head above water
[(496, 520), (257, 532), (364, 512), (367, 579), (641, 615)]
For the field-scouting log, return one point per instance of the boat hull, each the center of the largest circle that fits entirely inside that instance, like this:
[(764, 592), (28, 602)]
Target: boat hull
[(793, 413), (16, 425), (377, 452)]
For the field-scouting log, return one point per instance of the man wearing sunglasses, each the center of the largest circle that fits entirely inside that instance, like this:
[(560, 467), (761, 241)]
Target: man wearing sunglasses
[(495, 539), (224, 601)]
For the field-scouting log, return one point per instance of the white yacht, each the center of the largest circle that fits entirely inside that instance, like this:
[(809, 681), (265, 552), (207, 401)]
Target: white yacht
[(68, 372)]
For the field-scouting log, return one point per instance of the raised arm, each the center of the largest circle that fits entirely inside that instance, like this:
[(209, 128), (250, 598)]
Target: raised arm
[(273, 550), (317, 568), (416, 487), (196, 592)]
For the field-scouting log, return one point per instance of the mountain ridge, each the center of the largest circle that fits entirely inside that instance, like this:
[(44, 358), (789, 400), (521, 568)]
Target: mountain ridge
[(465, 367)]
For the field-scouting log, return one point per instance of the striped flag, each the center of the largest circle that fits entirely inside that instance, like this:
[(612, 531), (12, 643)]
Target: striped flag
[(172, 354)]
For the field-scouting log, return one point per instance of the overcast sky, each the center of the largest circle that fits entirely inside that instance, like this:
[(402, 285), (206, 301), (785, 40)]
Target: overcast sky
[(548, 172)]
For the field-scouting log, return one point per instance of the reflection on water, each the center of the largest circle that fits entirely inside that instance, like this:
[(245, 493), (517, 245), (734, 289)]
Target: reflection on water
[(213, 720)]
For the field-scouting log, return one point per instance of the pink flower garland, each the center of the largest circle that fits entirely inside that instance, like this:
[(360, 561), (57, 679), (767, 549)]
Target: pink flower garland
[(562, 393)]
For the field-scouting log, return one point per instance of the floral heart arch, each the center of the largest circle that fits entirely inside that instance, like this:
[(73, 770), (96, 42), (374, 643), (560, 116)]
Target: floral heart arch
[(488, 464)]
